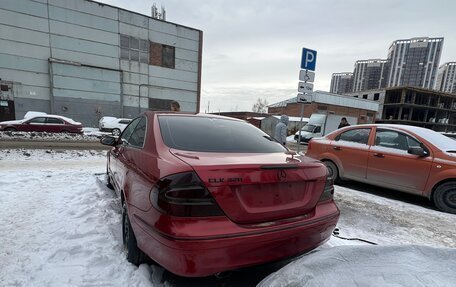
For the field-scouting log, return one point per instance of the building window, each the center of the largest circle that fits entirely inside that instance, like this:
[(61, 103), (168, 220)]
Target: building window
[(376, 96), (162, 55), (365, 96), (134, 49)]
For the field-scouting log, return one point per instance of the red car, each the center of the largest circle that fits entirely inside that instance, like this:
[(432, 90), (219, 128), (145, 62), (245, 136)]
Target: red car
[(405, 158), (43, 123), (204, 194)]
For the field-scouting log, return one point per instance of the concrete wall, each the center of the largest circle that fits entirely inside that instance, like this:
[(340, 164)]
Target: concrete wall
[(86, 78)]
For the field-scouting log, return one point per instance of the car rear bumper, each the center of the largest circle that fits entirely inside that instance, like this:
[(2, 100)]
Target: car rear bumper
[(204, 257)]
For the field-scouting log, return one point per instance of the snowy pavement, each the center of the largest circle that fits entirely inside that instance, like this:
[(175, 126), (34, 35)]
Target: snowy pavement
[(61, 225)]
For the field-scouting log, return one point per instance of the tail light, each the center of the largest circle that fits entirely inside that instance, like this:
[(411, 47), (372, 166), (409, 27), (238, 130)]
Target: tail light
[(184, 195), (328, 192)]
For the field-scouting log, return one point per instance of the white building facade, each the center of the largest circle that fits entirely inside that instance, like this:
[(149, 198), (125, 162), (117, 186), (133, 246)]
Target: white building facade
[(85, 59), (414, 62), (446, 81), (341, 83), (369, 74)]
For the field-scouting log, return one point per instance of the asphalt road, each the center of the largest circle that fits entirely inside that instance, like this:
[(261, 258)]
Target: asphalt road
[(56, 145)]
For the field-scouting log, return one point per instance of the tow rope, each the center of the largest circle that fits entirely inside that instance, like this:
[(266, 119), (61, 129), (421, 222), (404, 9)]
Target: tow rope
[(336, 234)]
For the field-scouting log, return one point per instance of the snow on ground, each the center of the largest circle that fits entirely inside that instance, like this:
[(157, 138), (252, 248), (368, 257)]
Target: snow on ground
[(61, 225), (89, 134)]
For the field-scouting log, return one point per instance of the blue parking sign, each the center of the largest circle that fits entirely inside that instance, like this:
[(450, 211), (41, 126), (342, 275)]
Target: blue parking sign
[(309, 59)]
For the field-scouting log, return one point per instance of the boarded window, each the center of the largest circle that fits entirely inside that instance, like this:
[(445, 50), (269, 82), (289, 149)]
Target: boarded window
[(159, 105), (162, 55), (134, 49), (168, 57)]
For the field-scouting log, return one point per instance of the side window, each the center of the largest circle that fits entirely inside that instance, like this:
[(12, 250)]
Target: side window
[(317, 129), (54, 121), (39, 120), (125, 137), (139, 134), (355, 135), (413, 142), (394, 139)]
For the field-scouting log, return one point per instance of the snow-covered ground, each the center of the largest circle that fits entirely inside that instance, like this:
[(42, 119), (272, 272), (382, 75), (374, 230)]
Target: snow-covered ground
[(89, 134), (60, 225)]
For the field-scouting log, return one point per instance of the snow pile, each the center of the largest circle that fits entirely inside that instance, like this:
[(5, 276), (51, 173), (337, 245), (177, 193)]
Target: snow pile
[(409, 265), (61, 226), (26, 154), (43, 136)]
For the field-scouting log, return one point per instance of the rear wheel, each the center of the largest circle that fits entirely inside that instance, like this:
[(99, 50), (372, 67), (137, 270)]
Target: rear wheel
[(10, 130), (65, 132), (116, 132), (133, 253), (444, 197), (333, 171)]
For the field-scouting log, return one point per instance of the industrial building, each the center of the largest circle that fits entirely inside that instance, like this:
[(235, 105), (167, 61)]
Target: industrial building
[(329, 103), (377, 95), (85, 60), (446, 80), (341, 83)]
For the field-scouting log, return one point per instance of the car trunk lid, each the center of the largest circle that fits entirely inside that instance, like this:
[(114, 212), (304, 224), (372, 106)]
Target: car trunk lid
[(255, 188)]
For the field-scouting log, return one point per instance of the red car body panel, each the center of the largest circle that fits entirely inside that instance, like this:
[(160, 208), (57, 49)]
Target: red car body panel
[(261, 222)]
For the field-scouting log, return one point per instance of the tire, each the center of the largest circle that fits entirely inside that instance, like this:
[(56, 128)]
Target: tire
[(444, 197), (10, 130), (133, 253), (116, 132), (333, 171), (64, 132)]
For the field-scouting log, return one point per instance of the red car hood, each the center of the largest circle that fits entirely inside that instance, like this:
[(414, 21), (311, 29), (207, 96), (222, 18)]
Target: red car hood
[(254, 188)]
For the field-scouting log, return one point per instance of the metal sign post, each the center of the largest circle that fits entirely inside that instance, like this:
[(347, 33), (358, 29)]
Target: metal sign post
[(308, 61)]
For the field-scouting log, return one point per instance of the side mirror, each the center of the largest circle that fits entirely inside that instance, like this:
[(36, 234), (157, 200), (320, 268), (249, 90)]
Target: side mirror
[(419, 151), (111, 141)]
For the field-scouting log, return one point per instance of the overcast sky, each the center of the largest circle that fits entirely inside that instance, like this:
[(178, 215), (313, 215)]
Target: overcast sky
[(252, 49)]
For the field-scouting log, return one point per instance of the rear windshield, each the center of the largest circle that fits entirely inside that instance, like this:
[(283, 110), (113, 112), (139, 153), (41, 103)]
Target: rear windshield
[(206, 134)]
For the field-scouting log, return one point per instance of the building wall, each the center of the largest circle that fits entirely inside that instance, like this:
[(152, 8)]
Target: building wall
[(341, 83), (64, 57), (420, 107), (294, 109), (414, 62), (446, 81), (372, 95), (369, 74)]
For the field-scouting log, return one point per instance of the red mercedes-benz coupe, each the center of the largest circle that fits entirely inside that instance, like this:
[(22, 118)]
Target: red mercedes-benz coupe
[(203, 194)]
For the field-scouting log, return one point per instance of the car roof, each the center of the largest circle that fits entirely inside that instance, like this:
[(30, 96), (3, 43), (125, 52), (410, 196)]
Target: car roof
[(181, 114), (71, 121)]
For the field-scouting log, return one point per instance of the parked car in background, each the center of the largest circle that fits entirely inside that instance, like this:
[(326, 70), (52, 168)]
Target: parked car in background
[(203, 194), (405, 158), (320, 125), (43, 123), (31, 114), (114, 125)]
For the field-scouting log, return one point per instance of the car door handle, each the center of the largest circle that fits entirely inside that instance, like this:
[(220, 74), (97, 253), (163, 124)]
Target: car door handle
[(377, 154), (336, 148)]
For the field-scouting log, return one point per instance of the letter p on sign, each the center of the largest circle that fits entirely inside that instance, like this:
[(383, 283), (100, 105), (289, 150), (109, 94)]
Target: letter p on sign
[(308, 59)]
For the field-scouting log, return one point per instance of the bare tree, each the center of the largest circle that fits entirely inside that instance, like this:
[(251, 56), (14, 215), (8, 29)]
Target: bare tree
[(260, 106)]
